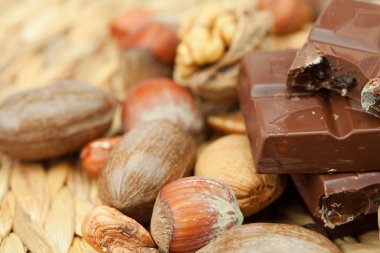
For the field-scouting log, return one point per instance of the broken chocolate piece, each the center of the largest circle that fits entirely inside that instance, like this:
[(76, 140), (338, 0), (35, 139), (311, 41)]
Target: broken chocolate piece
[(342, 52), (339, 198), (302, 132)]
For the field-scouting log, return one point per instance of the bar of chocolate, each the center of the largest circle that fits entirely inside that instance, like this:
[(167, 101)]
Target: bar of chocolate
[(338, 199), (342, 53), (302, 132)]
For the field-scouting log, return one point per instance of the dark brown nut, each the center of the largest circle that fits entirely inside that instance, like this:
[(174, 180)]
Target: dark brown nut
[(270, 237), (94, 155), (149, 156), (54, 120), (108, 230), (192, 211)]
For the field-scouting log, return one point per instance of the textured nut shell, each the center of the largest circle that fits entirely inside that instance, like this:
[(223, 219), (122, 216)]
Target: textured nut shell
[(148, 157), (229, 160), (108, 230), (190, 212), (161, 98), (270, 237), (54, 120), (94, 155)]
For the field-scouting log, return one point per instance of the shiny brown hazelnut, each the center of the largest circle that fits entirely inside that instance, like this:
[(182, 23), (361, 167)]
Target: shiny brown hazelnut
[(161, 98), (190, 212)]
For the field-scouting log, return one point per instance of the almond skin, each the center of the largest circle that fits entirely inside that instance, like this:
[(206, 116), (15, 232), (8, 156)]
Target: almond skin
[(270, 237), (149, 156), (108, 230), (192, 211), (54, 120)]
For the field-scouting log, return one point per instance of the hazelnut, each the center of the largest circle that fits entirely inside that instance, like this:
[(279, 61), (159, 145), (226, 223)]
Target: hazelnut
[(159, 38), (161, 98), (190, 212), (108, 230), (229, 160), (125, 24), (149, 156), (289, 15), (94, 155), (270, 237)]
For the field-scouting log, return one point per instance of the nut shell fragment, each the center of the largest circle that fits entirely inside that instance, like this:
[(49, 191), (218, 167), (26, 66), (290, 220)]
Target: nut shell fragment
[(108, 230)]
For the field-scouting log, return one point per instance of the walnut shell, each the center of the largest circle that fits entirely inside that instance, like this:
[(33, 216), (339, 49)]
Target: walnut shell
[(229, 160), (54, 120), (108, 230), (149, 156), (270, 237)]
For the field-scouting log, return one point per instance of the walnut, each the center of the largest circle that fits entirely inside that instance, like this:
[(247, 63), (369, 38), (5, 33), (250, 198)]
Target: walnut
[(205, 38)]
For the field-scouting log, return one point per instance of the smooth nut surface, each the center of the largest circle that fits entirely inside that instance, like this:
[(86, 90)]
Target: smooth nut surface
[(108, 230), (149, 156), (190, 212), (161, 98), (270, 237), (94, 155), (229, 160), (54, 120)]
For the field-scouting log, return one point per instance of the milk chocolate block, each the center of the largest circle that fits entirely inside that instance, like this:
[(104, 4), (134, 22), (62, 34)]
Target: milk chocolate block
[(342, 53), (339, 198), (301, 132)]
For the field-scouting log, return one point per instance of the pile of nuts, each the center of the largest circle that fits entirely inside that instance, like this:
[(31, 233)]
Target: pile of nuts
[(159, 192)]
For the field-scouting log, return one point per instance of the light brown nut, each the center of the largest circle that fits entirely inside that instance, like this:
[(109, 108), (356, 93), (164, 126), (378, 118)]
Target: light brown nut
[(190, 212), (229, 123), (94, 155), (108, 230), (229, 160), (270, 237), (52, 121), (149, 156)]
